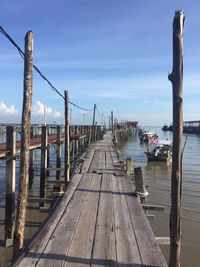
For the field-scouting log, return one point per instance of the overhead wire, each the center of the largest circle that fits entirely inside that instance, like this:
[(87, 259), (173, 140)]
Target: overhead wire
[(37, 70)]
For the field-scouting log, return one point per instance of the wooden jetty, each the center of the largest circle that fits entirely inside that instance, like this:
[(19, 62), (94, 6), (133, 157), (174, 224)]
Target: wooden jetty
[(99, 220)]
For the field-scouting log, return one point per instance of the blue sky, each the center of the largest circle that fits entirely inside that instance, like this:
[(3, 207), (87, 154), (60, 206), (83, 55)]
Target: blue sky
[(115, 53)]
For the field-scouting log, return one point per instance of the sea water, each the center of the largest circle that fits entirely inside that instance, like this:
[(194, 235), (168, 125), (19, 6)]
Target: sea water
[(157, 178)]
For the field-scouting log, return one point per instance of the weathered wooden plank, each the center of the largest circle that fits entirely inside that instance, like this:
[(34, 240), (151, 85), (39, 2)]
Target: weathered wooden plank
[(38, 245), (126, 244), (149, 250), (109, 162), (95, 161), (59, 243), (119, 170), (104, 250), (87, 161), (81, 247), (102, 160)]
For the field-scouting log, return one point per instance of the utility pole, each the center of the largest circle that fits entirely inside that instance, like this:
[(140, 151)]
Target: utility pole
[(176, 78)]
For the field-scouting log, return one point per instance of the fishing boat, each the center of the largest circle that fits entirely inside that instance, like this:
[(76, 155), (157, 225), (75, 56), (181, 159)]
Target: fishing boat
[(147, 136), (162, 152)]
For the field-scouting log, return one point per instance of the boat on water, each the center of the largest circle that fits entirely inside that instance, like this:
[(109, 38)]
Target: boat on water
[(162, 152), (167, 128), (147, 136)]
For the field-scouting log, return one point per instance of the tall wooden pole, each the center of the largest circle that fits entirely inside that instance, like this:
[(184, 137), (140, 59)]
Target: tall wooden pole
[(25, 144), (176, 77), (67, 138)]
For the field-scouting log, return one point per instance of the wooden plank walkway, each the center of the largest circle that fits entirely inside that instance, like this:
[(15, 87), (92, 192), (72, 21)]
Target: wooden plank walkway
[(98, 222)]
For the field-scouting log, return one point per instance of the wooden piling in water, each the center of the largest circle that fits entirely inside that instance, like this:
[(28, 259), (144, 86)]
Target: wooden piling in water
[(43, 163), (93, 124), (58, 153), (48, 157), (176, 77), (67, 138), (31, 162), (25, 144), (76, 141), (31, 169), (139, 184), (10, 185)]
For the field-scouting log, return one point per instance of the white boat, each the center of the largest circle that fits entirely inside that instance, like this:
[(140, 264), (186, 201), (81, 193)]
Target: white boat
[(162, 152), (147, 136)]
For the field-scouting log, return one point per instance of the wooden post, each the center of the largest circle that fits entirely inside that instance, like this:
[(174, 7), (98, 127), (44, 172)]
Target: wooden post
[(128, 166), (25, 144), (139, 184), (31, 162), (58, 153), (112, 121), (93, 124), (95, 132), (90, 136), (43, 163), (76, 141), (67, 138), (48, 158), (31, 169), (10, 185), (176, 77)]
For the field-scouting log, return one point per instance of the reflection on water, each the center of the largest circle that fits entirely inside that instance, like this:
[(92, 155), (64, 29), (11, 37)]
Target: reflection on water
[(157, 176)]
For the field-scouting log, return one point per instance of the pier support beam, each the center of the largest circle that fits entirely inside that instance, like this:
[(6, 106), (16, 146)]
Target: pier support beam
[(176, 77), (31, 169), (67, 139), (58, 153), (43, 163), (10, 185), (139, 184)]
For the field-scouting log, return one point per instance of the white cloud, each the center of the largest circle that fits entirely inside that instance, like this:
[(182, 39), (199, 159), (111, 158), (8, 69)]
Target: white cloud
[(7, 110), (40, 108)]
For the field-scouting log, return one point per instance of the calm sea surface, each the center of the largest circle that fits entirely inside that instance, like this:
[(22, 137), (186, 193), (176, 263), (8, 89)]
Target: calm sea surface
[(157, 176)]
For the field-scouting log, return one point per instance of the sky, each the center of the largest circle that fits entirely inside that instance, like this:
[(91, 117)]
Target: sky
[(113, 53)]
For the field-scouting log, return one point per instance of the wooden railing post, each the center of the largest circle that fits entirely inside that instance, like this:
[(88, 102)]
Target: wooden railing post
[(10, 185), (128, 166), (25, 144), (176, 77), (67, 138)]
